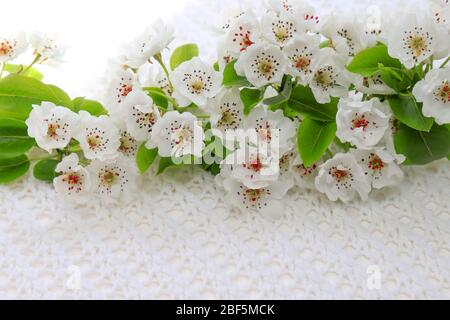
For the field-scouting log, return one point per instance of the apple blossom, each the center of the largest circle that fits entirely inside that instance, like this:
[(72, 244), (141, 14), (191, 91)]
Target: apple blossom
[(177, 135), (342, 178), (195, 81), (53, 127)]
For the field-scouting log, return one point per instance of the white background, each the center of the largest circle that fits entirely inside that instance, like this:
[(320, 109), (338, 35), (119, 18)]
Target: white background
[(92, 30)]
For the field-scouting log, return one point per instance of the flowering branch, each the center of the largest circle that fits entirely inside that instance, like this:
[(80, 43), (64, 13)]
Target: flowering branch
[(280, 108)]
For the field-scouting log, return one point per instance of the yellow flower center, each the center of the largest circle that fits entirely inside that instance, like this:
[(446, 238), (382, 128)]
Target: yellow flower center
[(281, 33), (417, 44), (227, 118), (108, 178), (443, 93), (197, 85), (323, 78), (93, 142), (265, 67), (52, 130), (5, 48)]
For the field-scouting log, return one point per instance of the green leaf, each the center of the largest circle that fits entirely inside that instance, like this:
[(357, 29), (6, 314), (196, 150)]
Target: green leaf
[(164, 164), (18, 94), (12, 169), (421, 148), (367, 62), (16, 68), (14, 139), (44, 170), (214, 169), (95, 108), (284, 95), (61, 96), (303, 102), (145, 158), (250, 98), (409, 112), (314, 138), (158, 96), (183, 54), (231, 78)]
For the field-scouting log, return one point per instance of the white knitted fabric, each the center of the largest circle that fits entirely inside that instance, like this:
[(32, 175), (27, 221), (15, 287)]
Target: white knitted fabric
[(179, 240)]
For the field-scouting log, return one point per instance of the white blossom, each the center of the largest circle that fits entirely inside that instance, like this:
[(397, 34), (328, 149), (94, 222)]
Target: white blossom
[(328, 77), (285, 164), (73, 180), (434, 92), (252, 167), (279, 29), (343, 178), (273, 130), (140, 115), (412, 39), (12, 46), (128, 144), (280, 6), (242, 33), (99, 137), (230, 15), (362, 123), (226, 116), (379, 166), (177, 135), (225, 55), (373, 85), (388, 142), (195, 82), (52, 127), (113, 179), (301, 52), (154, 77), (122, 83), (47, 46), (304, 177), (152, 42), (262, 64), (347, 34), (439, 11), (265, 201), (307, 16)]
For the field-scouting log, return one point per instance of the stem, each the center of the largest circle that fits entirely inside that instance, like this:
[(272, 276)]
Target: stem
[(158, 57), (445, 63), (44, 158), (3, 69), (73, 149), (429, 67), (171, 100), (36, 60), (330, 154)]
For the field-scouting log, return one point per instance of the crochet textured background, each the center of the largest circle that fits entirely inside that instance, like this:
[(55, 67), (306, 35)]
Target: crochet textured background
[(180, 240)]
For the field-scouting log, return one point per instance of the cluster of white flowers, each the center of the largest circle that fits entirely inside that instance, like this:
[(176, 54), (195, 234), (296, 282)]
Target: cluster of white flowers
[(182, 110), (46, 48), (286, 40)]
